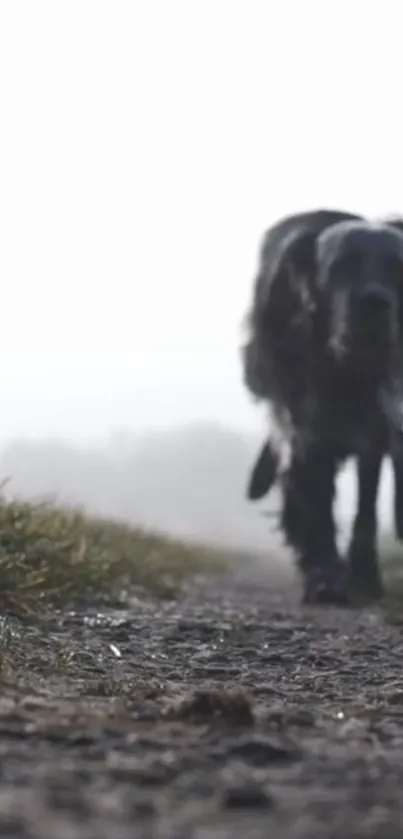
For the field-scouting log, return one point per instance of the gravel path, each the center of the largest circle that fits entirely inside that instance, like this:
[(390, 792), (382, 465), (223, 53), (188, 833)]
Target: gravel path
[(231, 713)]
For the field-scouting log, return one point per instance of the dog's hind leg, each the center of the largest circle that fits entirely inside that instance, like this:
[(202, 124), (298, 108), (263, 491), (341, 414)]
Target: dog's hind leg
[(397, 466)]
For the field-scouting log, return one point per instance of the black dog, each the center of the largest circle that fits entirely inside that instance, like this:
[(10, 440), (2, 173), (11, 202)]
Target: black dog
[(325, 351)]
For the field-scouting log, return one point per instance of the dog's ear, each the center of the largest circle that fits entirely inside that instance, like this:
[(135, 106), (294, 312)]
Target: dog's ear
[(264, 473)]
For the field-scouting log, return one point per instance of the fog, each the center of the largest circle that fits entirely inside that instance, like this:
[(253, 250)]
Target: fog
[(188, 481), (144, 148)]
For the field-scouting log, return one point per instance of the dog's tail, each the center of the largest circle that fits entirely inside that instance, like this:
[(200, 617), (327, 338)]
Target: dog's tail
[(264, 473)]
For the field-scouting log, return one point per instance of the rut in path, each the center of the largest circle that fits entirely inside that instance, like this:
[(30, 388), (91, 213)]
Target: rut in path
[(231, 713)]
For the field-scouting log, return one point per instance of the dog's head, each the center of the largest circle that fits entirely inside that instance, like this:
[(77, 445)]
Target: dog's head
[(359, 286)]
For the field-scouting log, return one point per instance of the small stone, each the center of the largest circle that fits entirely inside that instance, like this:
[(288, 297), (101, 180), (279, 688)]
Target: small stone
[(396, 698), (248, 796), (259, 749), (232, 707)]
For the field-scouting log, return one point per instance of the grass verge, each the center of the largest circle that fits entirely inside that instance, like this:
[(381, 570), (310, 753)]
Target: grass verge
[(52, 556)]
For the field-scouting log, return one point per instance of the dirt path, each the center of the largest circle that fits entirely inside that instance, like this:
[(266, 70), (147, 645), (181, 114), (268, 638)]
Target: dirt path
[(231, 714)]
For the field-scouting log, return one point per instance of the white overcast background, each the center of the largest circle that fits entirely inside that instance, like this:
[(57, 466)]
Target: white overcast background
[(144, 147)]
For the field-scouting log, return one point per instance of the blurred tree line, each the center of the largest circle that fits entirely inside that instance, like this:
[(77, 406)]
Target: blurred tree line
[(187, 481)]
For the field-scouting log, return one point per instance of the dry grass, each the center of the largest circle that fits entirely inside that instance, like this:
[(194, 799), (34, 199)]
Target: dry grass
[(56, 556)]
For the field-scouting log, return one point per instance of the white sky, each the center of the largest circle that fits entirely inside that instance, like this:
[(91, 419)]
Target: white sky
[(144, 147)]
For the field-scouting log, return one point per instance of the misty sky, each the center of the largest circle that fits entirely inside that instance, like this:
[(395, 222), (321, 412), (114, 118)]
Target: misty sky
[(144, 148)]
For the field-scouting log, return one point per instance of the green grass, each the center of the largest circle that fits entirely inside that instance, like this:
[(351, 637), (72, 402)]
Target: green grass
[(52, 556)]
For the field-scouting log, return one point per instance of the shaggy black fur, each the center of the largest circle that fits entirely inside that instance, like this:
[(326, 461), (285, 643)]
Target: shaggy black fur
[(325, 350)]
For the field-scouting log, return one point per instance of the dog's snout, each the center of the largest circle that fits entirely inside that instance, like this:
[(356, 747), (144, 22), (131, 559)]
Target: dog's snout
[(375, 301)]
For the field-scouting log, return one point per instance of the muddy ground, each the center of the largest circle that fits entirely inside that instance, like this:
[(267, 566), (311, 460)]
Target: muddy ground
[(231, 713)]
